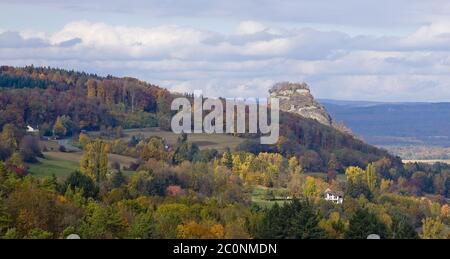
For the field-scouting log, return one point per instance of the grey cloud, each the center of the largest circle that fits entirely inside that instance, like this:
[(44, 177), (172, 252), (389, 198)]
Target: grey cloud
[(15, 40), (70, 43)]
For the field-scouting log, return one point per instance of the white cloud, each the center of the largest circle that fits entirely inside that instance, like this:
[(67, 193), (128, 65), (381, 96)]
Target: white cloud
[(246, 63), (250, 27)]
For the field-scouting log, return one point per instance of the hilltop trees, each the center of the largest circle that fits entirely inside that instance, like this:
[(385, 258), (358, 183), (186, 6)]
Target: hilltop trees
[(88, 100)]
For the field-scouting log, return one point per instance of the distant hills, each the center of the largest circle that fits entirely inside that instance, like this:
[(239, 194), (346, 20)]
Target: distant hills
[(395, 124)]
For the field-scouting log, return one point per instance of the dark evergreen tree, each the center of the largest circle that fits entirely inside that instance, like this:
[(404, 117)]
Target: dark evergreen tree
[(117, 179), (295, 220), (81, 181), (363, 223), (402, 229)]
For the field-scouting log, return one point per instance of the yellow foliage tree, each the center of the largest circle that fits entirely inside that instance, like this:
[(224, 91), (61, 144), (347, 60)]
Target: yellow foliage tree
[(310, 189), (334, 226), (91, 88), (294, 166), (371, 176), (83, 139), (355, 174), (8, 138), (94, 162), (59, 129), (194, 230), (432, 228)]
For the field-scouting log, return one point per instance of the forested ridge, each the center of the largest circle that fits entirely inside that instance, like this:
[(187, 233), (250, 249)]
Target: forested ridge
[(180, 190), (39, 96)]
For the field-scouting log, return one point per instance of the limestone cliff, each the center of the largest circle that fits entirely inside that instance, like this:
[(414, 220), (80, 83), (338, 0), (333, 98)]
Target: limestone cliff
[(297, 98)]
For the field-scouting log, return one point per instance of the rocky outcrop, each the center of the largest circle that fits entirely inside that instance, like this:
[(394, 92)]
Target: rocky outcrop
[(297, 98)]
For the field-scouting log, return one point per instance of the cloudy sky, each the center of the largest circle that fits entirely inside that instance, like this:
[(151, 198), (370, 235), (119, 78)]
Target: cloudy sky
[(383, 50)]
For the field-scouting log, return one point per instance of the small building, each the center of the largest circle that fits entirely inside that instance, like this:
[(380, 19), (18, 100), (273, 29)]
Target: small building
[(334, 196), (32, 130)]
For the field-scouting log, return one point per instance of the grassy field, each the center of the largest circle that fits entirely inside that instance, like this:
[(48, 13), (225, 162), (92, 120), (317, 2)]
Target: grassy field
[(62, 164), (259, 196), (52, 165), (203, 140), (76, 156)]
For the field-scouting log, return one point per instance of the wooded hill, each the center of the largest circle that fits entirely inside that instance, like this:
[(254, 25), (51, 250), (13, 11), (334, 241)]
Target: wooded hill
[(38, 96)]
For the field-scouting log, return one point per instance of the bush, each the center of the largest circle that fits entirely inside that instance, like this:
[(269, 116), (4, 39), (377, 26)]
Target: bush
[(62, 148)]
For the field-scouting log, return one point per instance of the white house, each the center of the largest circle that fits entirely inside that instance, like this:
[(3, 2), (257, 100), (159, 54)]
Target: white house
[(31, 129), (334, 196)]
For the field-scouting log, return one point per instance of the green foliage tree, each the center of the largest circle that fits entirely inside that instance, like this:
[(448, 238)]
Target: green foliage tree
[(186, 152), (101, 222), (38, 233), (140, 183), (11, 234), (3, 173), (77, 180), (168, 217), (363, 223), (356, 184), (295, 220), (117, 179), (144, 226), (5, 218), (402, 229)]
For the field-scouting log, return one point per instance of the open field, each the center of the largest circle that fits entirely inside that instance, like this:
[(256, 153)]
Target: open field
[(52, 165), (62, 164), (203, 140), (260, 197), (76, 156)]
